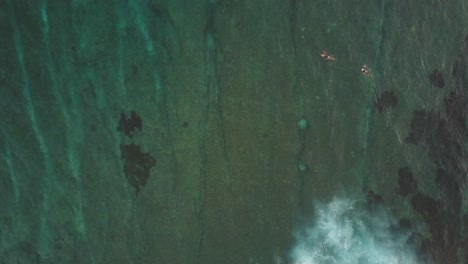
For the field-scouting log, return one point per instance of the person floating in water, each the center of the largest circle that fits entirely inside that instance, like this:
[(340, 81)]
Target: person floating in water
[(366, 71), (327, 56)]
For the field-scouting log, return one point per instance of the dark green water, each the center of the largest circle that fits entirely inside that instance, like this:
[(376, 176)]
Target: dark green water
[(147, 131)]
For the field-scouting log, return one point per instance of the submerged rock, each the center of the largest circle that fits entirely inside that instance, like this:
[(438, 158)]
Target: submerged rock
[(406, 182), (437, 78), (129, 124), (137, 165), (387, 100)]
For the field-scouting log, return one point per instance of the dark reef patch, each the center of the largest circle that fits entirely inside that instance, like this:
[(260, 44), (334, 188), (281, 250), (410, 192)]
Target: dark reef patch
[(443, 134), (406, 182), (373, 201), (137, 165), (387, 100), (429, 208), (405, 223), (437, 78), (434, 133), (129, 124), (456, 110)]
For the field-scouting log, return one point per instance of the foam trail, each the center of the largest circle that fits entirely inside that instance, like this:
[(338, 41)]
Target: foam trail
[(70, 123), (121, 25), (50, 177), (345, 235), (370, 106)]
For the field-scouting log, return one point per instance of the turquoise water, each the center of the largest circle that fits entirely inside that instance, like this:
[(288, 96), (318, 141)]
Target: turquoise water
[(214, 132)]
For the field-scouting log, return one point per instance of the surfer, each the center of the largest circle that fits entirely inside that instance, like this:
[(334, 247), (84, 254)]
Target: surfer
[(326, 56), (366, 71)]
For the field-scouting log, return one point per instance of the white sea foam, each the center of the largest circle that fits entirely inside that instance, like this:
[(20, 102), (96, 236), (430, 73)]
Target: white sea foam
[(344, 234)]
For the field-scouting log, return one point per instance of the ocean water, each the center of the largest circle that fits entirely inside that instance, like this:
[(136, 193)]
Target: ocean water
[(233, 131)]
